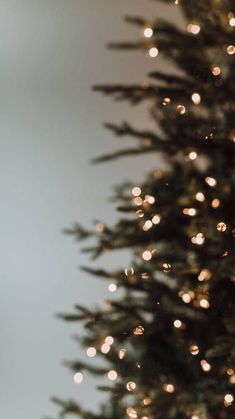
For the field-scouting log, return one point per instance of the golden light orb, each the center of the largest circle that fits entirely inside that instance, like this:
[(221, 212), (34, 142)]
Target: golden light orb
[(147, 255), (131, 386), (112, 375), (196, 98), (138, 331), (91, 352), (193, 28), (78, 378), (200, 197), (148, 32), (153, 52)]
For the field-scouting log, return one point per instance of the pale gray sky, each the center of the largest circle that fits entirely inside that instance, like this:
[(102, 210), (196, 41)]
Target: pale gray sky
[(52, 51)]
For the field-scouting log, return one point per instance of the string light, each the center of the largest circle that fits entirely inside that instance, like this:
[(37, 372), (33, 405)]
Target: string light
[(200, 197), (186, 298), (140, 213), (129, 271), (194, 350), (181, 109), (136, 191), (178, 324), (122, 353), (204, 275), (147, 401), (166, 267), (78, 378), (131, 386), (91, 352), (169, 388), (232, 21), (228, 400), (138, 331), (105, 348), (100, 227), (147, 255), (153, 52), (231, 49), (112, 287), (190, 211), (112, 375), (205, 366), (156, 219), (138, 201), (193, 155), (148, 32), (150, 199), (193, 28), (215, 203), (204, 303), (230, 371), (198, 239), (147, 225), (221, 227), (196, 98), (131, 413), (166, 101), (109, 340), (216, 70), (211, 181)]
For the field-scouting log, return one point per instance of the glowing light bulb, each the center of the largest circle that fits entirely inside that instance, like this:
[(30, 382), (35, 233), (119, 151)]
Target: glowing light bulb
[(169, 388), (194, 349), (177, 324), (122, 353), (204, 275), (193, 28), (148, 32), (196, 98), (156, 219), (231, 50), (91, 352), (112, 375), (78, 378), (216, 70), (131, 386), (138, 331), (221, 227), (129, 271), (131, 412), (193, 155), (186, 298), (205, 366), (211, 181), (181, 109), (147, 225), (150, 199), (112, 287), (105, 348), (232, 21), (228, 398), (153, 52), (200, 197), (136, 191), (204, 303), (147, 255), (109, 340), (166, 267)]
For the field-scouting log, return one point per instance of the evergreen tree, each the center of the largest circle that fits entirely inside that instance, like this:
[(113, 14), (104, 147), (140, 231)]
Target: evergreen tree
[(169, 340)]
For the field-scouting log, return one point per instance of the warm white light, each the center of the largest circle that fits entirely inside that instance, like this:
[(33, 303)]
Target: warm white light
[(131, 413), (200, 197), (221, 227), (196, 98), (153, 52), (129, 271), (192, 155), (169, 388), (232, 21), (147, 255), (205, 366), (228, 398), (216, 71), (193, 28), (150, 199), (136, 191), (194, 349), (186, 298), (147, 225), (178, 324), (215, 203), (91, 352), (211, 181), (148, 32), (112, 375), (131, 386), (204, 303), (112, 287), (78, 378), (122, 353), (156, 219), (204, 275), (105, 348), (138, 331), (109, 340), (181, 109), (231, 50)]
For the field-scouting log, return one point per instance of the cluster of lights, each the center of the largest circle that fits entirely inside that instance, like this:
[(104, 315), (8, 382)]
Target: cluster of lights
[(199, 239), (193, 28), (106, 346)]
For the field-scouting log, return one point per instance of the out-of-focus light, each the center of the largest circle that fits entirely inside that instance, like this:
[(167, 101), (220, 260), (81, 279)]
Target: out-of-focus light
[(78, 378), (193, 28), (196, 98), (136, 191), (148, 32), (153, 52), (200, 197), (112, 287), (112, 375), (91, 352), (147, 255)]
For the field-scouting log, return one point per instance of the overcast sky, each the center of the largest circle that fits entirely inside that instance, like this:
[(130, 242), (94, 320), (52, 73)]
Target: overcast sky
[(52, 51)]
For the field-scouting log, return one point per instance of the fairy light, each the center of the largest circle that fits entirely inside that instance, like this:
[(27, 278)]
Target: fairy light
[(195, 417), (91, 352), (215, 203), (109, 340), (199, 239), (221, 227), (196, 98), (204, 275), (150, 199), (147, 225), (210, 181), (230, 371), (112, 287), (228, 400), (148, 32), (122, 353), (232, 379), (166, 101), (147, 401), (169, 388), (156, 219), (186, 298), (129, 271), (147, 255), (193, 28), (100, 227), (138, 331), (231, 49), (140, 213), (166, 267), (232, 21), (78, 378), (178, 324), (138, 201), (216, 71), (205, 365), (131, 412), (181, 109), (131, 386), (190, 211), (200, 197), (112, 375), (105, 348), (193, 155), (153, 52), (136, 191), (204, 303), (194, 350)]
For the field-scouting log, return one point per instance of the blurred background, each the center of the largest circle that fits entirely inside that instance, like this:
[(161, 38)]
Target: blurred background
[(52, 52)]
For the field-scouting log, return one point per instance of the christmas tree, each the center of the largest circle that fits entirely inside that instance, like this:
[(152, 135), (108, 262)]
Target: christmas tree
[(167, 342)]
